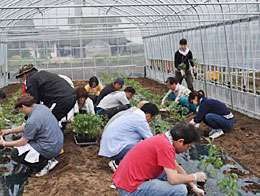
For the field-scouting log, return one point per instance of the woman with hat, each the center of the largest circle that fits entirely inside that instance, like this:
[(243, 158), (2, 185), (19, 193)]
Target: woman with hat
[(49, 88)]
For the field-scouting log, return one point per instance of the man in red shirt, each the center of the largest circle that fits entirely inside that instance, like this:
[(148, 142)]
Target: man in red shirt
[(149, 168)]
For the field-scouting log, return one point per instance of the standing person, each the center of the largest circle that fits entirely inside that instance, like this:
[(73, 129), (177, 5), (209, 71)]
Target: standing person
[(42, 139), (212, 112), (115, 102), (126, 130), (179, 94), (115, 86), (150, 168), (55, 92), (93, 88), (184, 55)]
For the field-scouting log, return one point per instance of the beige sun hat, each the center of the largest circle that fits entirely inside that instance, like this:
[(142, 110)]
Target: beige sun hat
[(24, 69)]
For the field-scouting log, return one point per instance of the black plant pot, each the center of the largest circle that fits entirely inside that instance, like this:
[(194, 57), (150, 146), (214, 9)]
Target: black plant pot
[(201, 185), (84, 140)]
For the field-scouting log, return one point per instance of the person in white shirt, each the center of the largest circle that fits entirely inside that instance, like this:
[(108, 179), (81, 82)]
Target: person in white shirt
[(115, 102), (83, 104)]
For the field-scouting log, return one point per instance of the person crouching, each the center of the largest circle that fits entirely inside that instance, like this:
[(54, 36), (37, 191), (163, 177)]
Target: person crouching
[(42, 138)]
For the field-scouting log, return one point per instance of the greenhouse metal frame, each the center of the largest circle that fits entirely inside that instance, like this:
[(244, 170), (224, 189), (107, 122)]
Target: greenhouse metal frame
[(224, 37)]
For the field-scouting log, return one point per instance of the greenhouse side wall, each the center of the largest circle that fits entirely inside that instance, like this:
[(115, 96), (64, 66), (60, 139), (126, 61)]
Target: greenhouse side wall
[(213, 74), (3, 65)]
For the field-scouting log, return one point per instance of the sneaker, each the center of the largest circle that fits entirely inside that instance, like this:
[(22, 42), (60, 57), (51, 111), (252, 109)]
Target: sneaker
[(112, 186), (215, 133), (112, 164), (50, 165)]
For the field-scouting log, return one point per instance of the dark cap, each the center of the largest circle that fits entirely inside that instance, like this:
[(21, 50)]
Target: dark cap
[(2, 94), (171, 80), (183, 42), (24, 99), (119, 81), (24, 69)]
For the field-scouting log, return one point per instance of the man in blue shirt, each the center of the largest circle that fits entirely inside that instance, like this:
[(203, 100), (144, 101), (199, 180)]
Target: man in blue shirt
[(125, 130), (42, 138)]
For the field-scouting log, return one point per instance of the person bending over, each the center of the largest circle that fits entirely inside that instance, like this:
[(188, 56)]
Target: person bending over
[(115, 86), (51, 89), (115, 102), (124, 130), (41, 140), (179, 94), (212, 112), (150, 168)]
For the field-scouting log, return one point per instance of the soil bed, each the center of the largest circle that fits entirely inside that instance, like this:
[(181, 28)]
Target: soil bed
[(242, 142), (252, 187), (81, 172)]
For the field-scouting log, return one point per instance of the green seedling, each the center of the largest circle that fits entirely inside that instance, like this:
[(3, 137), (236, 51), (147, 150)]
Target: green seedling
[(182, 66), (90, 124), (229, 185), (213, 158)]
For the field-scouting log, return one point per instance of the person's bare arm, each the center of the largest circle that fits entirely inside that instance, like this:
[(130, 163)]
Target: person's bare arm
[(192, 122), (177, 178), (14, 130), (180, 170), (21, 142)]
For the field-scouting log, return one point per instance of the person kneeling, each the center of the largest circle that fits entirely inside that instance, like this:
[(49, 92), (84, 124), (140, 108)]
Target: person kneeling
[(124, 130), (149, 168), (179, 94), (42, 138), (115, 102), (213, 113)]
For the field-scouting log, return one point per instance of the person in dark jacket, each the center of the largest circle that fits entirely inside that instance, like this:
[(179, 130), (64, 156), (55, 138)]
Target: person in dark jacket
[(183, 56), (212, 112), (115, 86), (52, 90)]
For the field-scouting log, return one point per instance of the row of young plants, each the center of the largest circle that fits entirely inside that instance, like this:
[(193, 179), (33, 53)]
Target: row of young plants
[(8, 115), (175, 111), (227, 185)]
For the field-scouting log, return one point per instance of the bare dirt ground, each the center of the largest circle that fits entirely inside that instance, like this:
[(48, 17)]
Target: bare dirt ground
[(81, 172)]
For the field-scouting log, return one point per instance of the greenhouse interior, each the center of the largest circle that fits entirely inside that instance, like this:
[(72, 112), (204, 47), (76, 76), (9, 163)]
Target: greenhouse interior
[(137, 40)]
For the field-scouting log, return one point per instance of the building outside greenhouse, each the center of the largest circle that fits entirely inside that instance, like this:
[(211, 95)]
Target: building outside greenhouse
[(137, 40)]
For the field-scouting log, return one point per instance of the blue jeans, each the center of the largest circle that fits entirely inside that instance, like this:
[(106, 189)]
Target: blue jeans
[(172, 97), (184, 102), (123, 152), (216, 121), (157, 187)]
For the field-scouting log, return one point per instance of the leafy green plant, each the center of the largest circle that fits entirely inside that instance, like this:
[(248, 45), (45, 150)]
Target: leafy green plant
[(195, 61), (90, 124), (182, 66), (133, 102), (159, 125), (7, 111), (177, 112), (18, 119), (229, 185), (213, 157), (3, 123)]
